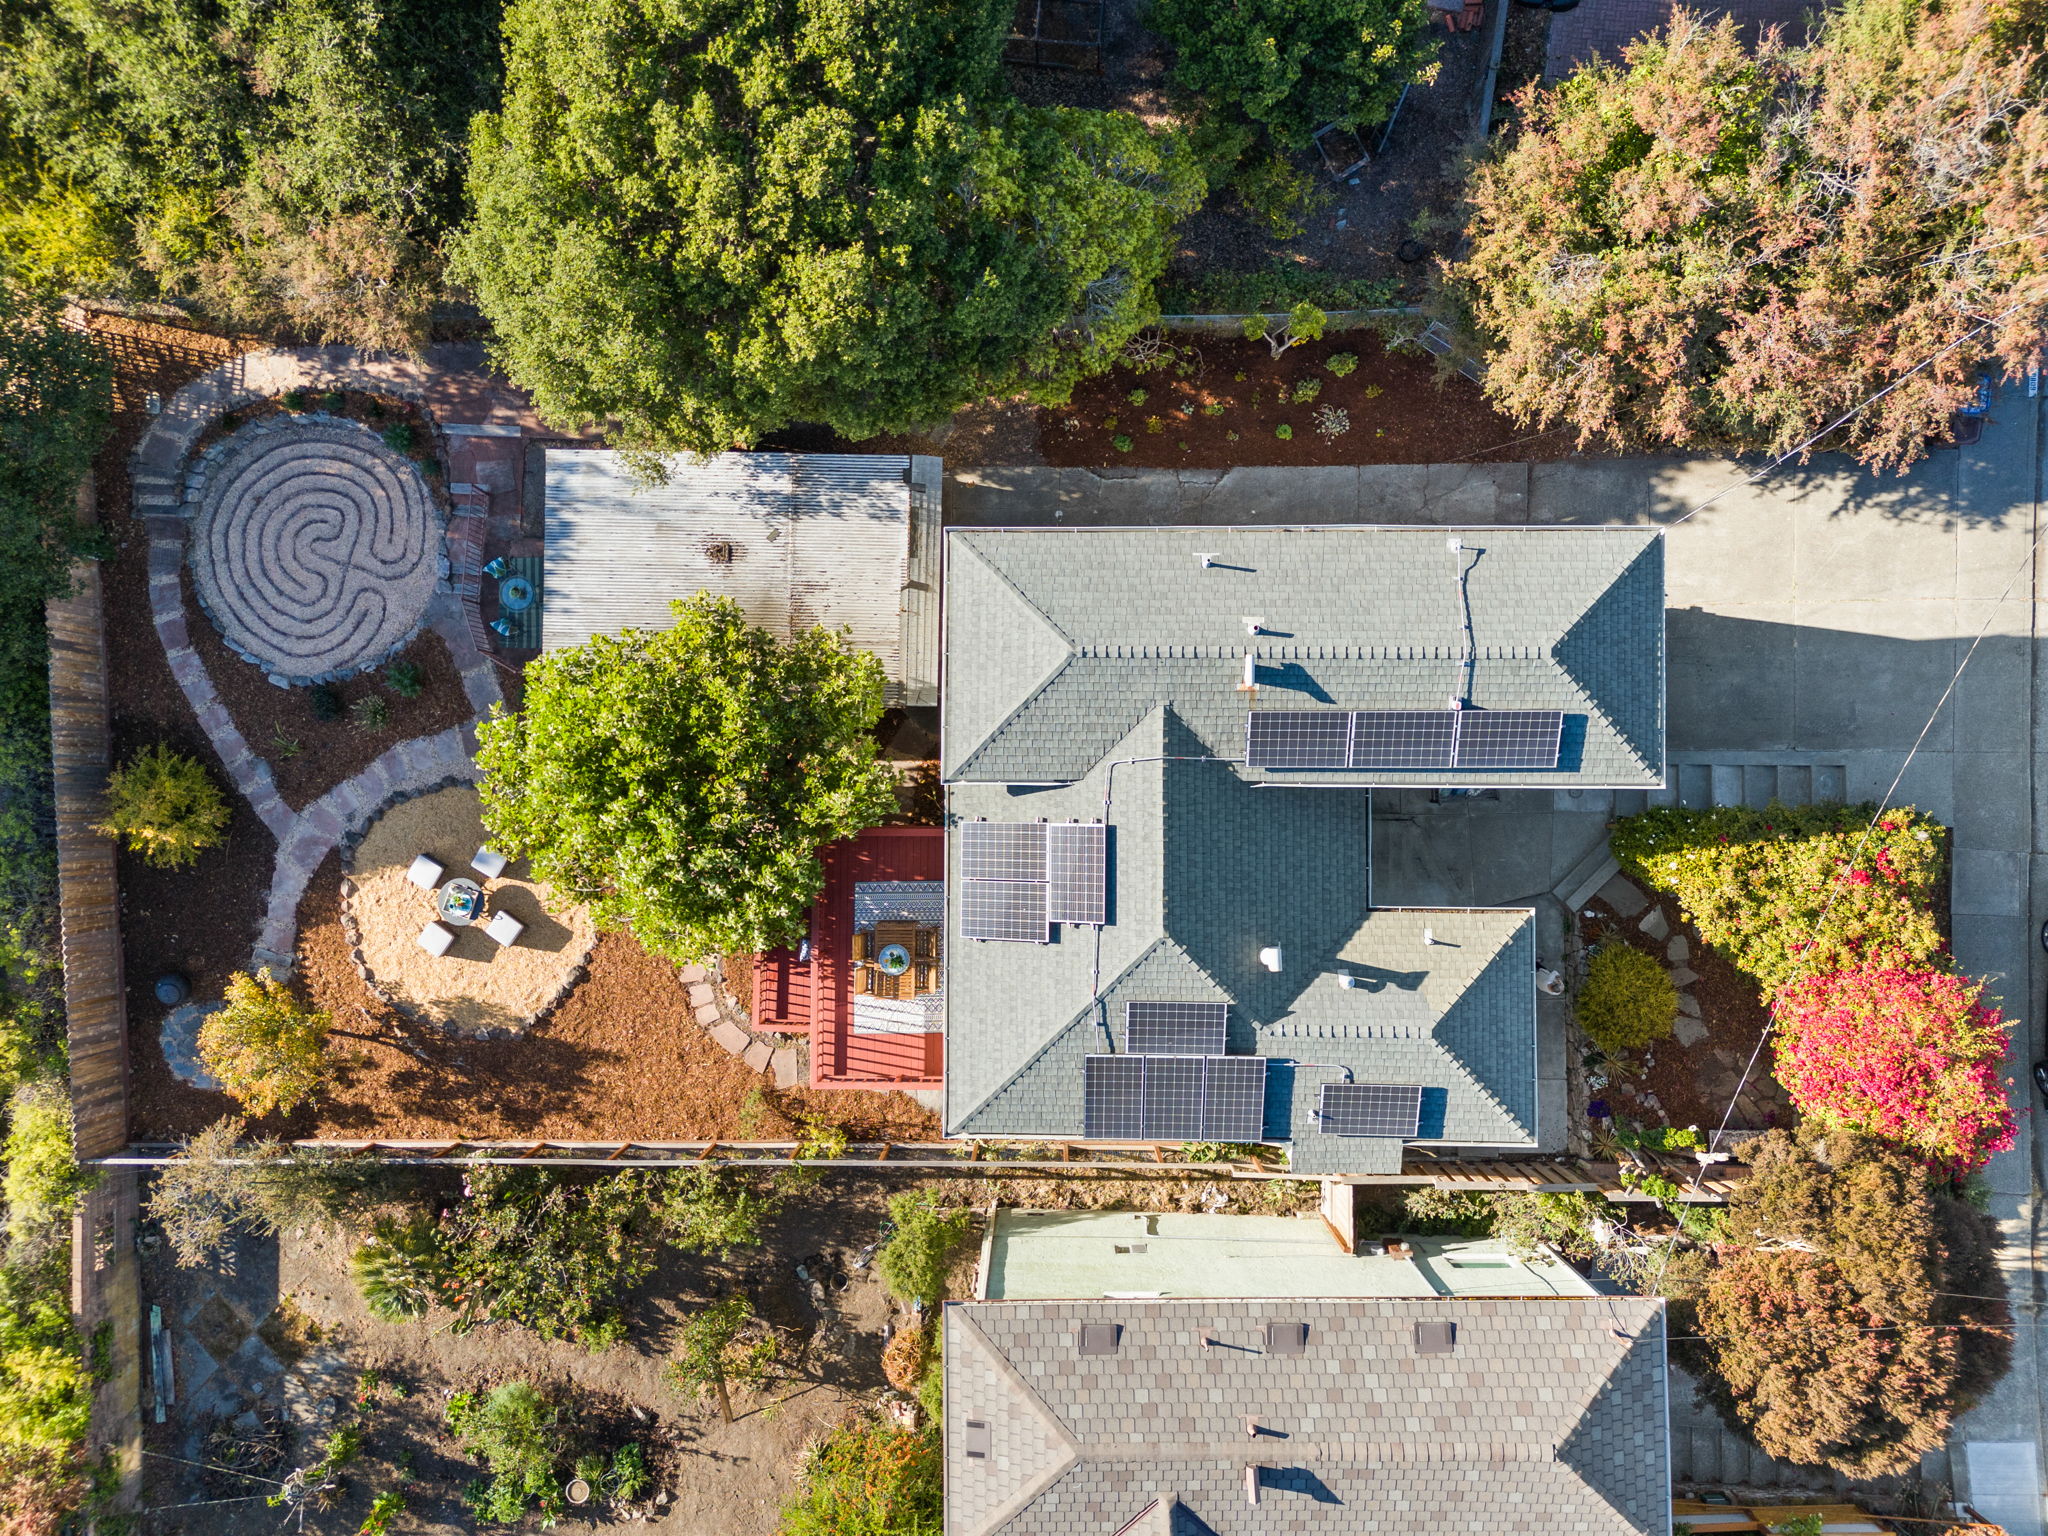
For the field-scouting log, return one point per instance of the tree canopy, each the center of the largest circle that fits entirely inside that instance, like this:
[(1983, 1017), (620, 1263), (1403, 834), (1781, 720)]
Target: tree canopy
[(1843, 1328), (264, 1047), (1713, 247), (288, 164), (1296, 65), (702, 219), (682, 780)]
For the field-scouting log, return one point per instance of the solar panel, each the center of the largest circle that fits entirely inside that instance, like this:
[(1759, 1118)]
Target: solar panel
[(1369, 1109), (1076, 872), (1002, 850), (1402, 738), (1174, 1098), (1509, 738), (1113, 1098), (1236, 1099), (1004, 909), (1278, 738), (1175, 1029)]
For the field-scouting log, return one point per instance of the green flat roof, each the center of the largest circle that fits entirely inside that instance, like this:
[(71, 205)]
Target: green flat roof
[(1083, 1255)]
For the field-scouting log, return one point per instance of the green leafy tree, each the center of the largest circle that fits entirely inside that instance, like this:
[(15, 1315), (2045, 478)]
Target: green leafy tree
[(45, 1395), (221, 1186), (914, 1261), (165, 806), (682, 780), (1296, 65), (704, 219), (291, 164), (520, 1436), (714, 1211), (723, 1345), (1709, 246), (43, 1180), (264, 1046)]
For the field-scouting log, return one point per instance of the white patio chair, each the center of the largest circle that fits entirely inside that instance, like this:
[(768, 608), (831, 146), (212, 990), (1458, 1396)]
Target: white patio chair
[(424, 873), (437, 938), (505, 928)]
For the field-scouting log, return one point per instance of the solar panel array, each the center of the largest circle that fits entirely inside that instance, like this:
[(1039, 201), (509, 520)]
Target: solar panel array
[(1403, 739), (1175, 1029), (1174, 1098), (1020, 877), (1369, 1109), (1077, 872)]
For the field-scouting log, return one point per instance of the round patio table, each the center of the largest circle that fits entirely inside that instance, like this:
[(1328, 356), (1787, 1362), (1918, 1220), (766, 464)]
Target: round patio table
[(460, 902), (894, 960)]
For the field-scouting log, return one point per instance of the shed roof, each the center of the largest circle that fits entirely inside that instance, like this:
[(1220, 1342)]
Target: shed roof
[(797, 539), (1545, 1416)]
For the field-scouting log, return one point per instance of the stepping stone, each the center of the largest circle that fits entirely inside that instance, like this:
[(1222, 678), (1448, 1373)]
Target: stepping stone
[(1681, 977), (758, 1055), (1655, 924), (787, 1068), (1688, 1005), (180, 1039), (1689, 1031), (732, 1037), (1679, 950), (1622, 894)]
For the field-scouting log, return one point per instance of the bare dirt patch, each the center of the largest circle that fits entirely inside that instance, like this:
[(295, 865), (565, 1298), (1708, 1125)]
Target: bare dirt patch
[(479, 983), (1229, 408)]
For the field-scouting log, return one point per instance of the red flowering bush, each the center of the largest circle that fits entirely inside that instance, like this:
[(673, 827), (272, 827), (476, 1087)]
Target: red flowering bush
[(1787, 892), (1909, 1055)]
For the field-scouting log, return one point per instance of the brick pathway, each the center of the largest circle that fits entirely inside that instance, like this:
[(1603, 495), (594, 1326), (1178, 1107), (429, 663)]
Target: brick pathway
[(313, 546), (1603, 27)]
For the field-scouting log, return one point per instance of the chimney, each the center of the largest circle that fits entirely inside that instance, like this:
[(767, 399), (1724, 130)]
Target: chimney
[(1251, 674), (1252, 1469)]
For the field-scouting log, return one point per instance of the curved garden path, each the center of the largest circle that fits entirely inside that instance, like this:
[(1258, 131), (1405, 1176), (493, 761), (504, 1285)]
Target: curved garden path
[(170, 489)]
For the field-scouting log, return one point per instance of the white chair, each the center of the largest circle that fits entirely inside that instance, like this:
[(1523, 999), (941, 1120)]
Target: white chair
[(505, 928), (425, 873), (436, 938), (488, 862)]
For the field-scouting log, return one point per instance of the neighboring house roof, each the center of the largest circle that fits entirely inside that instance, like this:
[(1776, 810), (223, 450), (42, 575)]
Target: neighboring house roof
[(1546, 1416), (797, 539), (1205, 871), (1060, 640)]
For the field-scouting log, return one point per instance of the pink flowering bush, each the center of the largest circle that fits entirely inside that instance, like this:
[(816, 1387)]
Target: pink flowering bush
[(1910, 1055), (1788, 892)]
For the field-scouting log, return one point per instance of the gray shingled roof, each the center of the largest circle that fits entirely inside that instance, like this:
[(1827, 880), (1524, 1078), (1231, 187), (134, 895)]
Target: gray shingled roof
[(1060, 640), (1547, 1417), (1207, 871)]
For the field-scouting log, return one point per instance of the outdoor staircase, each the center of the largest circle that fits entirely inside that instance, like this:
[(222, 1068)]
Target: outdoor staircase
[(1699, 784), (1706, 1453)]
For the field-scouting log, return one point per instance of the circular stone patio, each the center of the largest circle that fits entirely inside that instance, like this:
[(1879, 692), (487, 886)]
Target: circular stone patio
[(314, 546), (476, 986)]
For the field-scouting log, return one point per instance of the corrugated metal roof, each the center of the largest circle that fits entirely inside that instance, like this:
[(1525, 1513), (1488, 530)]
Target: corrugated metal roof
[(796, 539)]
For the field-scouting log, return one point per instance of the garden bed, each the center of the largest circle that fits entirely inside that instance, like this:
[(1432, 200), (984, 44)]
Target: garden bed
[(1226, 408)]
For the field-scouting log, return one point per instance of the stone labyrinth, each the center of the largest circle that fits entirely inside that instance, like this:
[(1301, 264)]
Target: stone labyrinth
[(314, 547)]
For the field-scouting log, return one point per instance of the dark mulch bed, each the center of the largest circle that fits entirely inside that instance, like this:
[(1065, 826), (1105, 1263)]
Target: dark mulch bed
[(1693, 1084), (1398, 412), (380, 413), (310, 756)]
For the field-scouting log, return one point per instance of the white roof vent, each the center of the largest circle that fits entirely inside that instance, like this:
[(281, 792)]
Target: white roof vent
[(1269, 957)]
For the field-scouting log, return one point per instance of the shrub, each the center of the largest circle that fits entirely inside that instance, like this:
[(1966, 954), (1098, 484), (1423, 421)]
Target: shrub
[(1137, 397), (1342, 364), (165, 807), (553, 1253), (931, 1390), (400, 437), (399, 1270), (403, 678), (1122, 442), (369, 713), (867, 1478), (1306, 391), (334, 402), (629, 1476), (1284, 432), (325, 701), (1910, 1056), (295, 400), (44, 1180), (714, 1211), (31, 1010), (264, 1047), (1332, 421), (44, 1384), (914, 1261), (1627, 1001), (518, 1434), (220, 1186), (1758, 884), (723, 1345)]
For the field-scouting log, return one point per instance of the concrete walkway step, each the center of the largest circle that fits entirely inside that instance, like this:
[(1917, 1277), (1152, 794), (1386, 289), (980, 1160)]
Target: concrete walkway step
[(1700, 784)]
